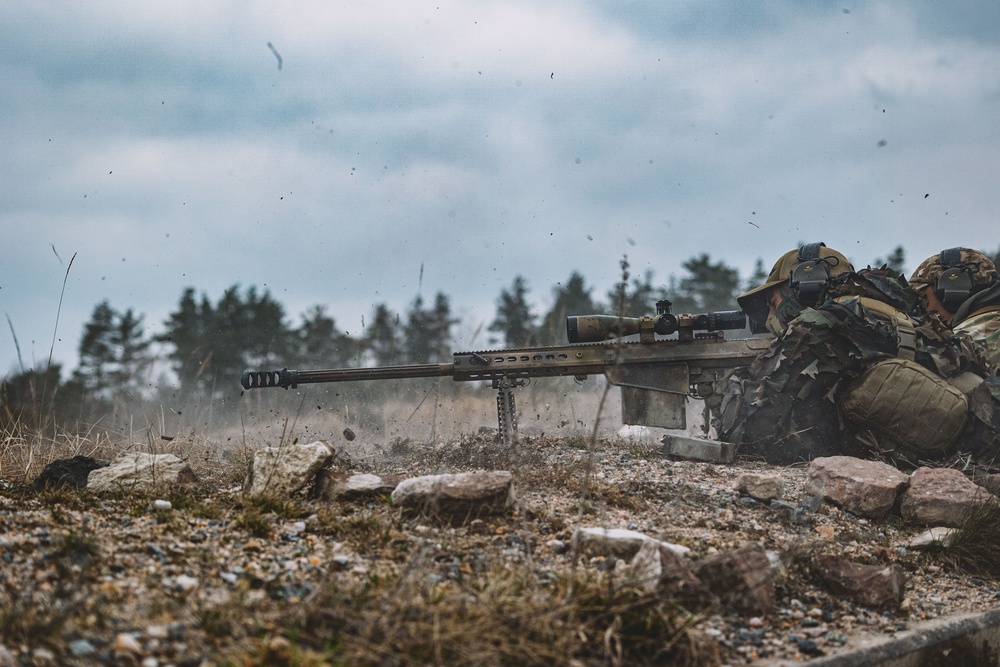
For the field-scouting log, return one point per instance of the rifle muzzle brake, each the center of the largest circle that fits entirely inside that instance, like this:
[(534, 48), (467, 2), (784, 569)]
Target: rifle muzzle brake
[(257, 379)]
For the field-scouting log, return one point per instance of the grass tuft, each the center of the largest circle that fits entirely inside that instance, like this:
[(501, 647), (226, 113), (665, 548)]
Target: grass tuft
[(504, 615), (975, 546)]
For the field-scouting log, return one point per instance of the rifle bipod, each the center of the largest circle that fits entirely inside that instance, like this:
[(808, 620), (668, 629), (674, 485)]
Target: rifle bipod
[(506, 412)]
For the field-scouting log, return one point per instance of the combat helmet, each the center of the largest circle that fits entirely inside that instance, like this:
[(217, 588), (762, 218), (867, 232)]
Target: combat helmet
[(806, 270), (955, 275)]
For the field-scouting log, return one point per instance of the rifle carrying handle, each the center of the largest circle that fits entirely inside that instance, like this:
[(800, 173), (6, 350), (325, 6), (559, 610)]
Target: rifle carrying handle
[(257, 379)]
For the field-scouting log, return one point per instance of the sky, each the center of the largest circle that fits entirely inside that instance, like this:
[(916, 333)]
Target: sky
[(350, 154)]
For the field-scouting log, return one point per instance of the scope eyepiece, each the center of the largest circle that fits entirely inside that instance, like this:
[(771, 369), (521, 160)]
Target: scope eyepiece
[(725, 320)]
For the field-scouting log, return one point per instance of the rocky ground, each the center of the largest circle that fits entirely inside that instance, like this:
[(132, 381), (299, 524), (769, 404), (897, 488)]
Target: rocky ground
[(211, 576)]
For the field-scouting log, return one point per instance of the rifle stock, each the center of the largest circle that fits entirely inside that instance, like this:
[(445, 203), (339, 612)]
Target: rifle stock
[(656, 376)]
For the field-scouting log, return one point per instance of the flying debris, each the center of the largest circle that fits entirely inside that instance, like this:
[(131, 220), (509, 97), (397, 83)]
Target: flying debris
[(275, 52)]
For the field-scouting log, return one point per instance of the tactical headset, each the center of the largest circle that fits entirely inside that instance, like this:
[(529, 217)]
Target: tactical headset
[(955, 283), (811, 274)]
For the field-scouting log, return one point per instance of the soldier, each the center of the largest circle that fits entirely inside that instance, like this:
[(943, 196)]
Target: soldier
[(850, 372), (962, 286), (979, 318)]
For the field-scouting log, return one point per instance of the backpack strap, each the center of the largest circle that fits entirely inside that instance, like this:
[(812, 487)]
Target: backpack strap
[(906, 338), (906, 333)]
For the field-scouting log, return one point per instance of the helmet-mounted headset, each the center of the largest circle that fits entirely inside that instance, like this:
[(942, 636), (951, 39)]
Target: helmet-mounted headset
[(811, 274), (955, 283)]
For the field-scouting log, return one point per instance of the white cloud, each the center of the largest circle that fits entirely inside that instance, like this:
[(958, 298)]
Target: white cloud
[(479, 139)]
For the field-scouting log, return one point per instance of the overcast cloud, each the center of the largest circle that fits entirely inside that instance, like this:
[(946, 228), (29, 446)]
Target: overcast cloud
[(163, 146)]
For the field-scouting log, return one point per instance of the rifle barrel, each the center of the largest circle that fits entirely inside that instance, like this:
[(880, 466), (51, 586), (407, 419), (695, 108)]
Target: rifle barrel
[(285, 378)]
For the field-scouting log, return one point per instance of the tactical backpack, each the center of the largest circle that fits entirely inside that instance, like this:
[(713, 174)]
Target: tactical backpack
[(908, 408)]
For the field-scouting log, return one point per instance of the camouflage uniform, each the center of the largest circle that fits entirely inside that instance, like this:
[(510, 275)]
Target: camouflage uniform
[(984, 328), (978, 317), (786, 406)]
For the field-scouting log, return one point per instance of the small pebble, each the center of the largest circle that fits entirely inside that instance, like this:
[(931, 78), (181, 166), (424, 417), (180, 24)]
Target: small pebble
[(126, 643)]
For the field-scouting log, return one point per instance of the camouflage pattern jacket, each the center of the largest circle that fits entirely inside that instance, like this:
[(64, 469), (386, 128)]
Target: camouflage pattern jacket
[(784, 408), (984, 329)]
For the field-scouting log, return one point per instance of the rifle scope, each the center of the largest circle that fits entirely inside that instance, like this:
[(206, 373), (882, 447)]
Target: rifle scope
[(596, 328)]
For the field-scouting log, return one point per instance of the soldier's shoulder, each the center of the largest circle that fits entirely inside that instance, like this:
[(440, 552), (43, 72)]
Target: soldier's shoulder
[(982, 324)]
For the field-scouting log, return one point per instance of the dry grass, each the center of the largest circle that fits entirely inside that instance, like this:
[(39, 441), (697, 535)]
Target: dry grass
[(410, 609), (975, 546), (503, 616)]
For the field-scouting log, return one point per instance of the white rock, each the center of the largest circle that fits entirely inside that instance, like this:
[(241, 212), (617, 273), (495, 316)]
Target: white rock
[(283, 471), (618, 542), (138, 470), (939, 534), (469, 494)]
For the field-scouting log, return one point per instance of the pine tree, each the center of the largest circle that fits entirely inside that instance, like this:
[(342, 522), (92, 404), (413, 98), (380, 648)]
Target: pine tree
[(758, 277), (318, 343), (637, 299), (130, 349), (514, 319), (427, 332), (896, 260), (96, 351), (707, 287), (188, 331), (212, 346), (264, 335), (382, 340), (573, 298)]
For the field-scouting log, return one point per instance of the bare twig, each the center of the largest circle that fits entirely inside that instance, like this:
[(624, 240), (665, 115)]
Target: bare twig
[(55, 329)]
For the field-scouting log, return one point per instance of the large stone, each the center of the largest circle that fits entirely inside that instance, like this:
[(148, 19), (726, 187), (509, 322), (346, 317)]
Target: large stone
[(617, 542), (284, 471), (941, 497), (459, 496), (68, 472), (657, 568), (142, 472), (743, 578), (337, 484), (864, 488), (880, 586), (761, 486)]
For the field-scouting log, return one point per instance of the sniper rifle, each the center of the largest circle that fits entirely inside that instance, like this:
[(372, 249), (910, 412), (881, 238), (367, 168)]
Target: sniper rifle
[(656, 373)]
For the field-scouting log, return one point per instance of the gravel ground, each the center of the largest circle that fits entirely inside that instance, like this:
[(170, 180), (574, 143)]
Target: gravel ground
[(98, 580)]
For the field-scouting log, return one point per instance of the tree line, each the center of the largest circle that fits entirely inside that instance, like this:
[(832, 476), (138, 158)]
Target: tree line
[(207, 344)]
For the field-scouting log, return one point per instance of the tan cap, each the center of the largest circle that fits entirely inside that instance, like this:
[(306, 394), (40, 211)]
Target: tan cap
[(754, 301)]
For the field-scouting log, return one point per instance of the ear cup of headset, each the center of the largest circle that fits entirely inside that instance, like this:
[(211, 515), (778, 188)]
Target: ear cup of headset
[(955, 284)]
